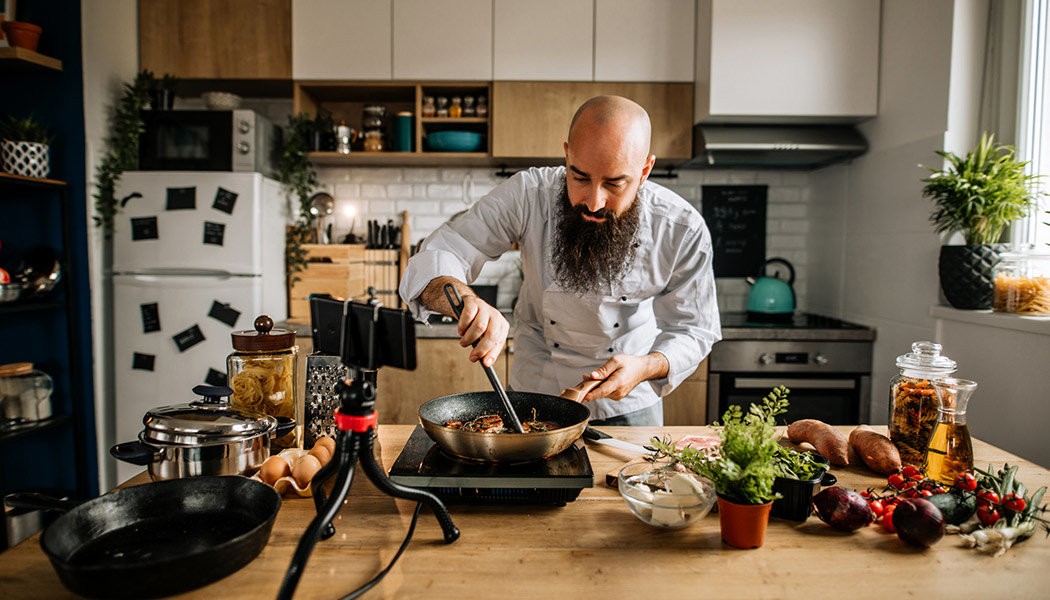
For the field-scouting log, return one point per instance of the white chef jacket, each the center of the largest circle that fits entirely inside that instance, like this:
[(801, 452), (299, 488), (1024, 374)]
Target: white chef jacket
[(665, 303)]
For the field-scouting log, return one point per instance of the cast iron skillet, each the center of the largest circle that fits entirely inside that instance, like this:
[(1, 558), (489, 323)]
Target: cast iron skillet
[(569, 415), (160, 538)]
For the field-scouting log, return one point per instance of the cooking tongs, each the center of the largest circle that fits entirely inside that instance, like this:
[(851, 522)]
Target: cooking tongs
[(457, 307)]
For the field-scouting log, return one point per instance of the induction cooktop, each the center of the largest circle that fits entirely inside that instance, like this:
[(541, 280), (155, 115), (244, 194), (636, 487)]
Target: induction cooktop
[(555, 480), (798, 320)]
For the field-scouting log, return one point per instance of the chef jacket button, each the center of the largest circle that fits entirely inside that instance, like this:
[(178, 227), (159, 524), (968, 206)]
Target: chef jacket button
[(552, 322), (610, 349), (616, 324), (555, 344), (623, 298)]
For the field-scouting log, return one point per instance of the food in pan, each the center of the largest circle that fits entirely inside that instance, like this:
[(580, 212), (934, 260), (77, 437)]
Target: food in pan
[(494, 424)]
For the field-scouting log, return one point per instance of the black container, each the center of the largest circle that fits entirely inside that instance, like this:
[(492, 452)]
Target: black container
[(797, 501)]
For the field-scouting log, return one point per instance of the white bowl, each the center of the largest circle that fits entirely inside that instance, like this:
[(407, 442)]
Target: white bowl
[(663, 497), (221, 100)]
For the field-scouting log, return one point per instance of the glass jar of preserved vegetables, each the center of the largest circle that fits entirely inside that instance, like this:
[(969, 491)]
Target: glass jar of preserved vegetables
[(263, 371), (913, 400)]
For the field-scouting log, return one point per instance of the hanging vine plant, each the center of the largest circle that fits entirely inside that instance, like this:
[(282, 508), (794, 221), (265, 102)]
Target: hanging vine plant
[(122, 148), (299, 177)]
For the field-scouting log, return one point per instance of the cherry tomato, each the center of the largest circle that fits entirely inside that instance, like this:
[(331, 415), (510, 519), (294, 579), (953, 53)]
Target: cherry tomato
[(1014, 502), (887, 518), (877, 507), (865, 494), (987, 515), (911, 472), (987, 497), (926, 493), (896, 480), (966, 482)]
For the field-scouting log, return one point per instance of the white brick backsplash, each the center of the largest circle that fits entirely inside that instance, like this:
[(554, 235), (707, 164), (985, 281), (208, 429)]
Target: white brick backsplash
[(420, 207), (795, 178), (349, 191), (438, 190), (419, 190), (375, 175), (399, 190), (742, 177), (373, 190), (420, 175), (381, 208), (789, 242), (793, 226), (786, 211), (455, 175), (785, 195)]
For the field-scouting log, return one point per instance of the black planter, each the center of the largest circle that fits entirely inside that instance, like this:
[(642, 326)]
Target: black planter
[(966, 274)]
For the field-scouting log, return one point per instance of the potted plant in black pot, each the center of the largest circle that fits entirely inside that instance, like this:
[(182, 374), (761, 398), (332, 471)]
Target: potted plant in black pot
[(25, 147), (977, 195)]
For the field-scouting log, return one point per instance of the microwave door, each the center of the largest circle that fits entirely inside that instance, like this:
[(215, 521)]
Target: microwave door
[(186, 140)]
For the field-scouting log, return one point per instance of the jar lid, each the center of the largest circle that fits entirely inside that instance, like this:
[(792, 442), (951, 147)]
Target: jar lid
[(405, 113), (264, 338), (14, 369), (209, 421), (926, 356)]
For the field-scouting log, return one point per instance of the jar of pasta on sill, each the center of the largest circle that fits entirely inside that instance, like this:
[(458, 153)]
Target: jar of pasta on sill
[(1022, 284), (262, 371), (913, 400)]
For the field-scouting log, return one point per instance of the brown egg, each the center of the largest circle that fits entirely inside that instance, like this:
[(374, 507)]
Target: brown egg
[(305, 469), (327, 442), (273, 469), (322, 453)]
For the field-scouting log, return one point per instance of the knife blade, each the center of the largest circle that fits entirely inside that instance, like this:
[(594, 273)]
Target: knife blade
[(600, 437)]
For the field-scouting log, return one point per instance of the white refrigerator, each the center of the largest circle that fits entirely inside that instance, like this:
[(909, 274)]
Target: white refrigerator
[(196, 256)]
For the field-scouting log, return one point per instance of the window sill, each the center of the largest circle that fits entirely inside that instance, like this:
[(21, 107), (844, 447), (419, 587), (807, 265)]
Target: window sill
[(1036, 325)]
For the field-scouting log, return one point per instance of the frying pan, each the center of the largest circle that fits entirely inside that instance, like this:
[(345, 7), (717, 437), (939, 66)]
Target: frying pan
[(159, 538), (565, 411)]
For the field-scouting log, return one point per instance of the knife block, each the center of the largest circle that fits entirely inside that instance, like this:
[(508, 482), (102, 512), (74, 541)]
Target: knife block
[(382, 271)]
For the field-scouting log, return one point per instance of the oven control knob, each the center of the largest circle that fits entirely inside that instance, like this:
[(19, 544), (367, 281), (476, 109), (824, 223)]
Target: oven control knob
[(765, 358), (820, 359), (243, 147), (244, 126)]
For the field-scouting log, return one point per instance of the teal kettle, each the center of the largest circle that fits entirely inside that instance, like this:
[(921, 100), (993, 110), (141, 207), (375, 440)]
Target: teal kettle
[(771, 299)]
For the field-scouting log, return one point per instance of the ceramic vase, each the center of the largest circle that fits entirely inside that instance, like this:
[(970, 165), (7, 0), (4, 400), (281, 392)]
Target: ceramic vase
[(31, 159)]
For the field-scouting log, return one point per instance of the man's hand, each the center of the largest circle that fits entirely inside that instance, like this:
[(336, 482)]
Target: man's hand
[(623, 372), (479, 321)]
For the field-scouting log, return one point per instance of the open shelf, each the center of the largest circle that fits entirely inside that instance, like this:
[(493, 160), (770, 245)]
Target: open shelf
[(20, 60), (13, 431), (405, 159), (30, 181)]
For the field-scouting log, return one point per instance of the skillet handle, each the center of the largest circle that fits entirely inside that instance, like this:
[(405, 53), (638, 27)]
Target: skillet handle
[(578, 391), (285, 425), (135, 453), (35, 501)]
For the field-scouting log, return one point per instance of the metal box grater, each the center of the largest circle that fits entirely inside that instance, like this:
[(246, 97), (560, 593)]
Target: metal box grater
[(322, 373)]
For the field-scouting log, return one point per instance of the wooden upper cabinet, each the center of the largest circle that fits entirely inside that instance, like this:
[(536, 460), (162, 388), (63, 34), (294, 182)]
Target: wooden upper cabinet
[(442, 40), (216, 39), (531, 119), (341, 39), (644, 40), (543, 40)]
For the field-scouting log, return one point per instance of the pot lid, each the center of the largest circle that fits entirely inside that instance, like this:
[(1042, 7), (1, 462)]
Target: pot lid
[(265, 338), (926, 357), (204, 422)]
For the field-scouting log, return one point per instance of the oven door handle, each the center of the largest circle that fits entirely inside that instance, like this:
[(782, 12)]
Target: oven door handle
[(822, 384)]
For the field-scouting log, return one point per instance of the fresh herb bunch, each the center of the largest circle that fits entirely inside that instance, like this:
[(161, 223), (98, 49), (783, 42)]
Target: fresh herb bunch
[(745, 467), (792, 464), (299, 177), (981, 193), (23, 130)]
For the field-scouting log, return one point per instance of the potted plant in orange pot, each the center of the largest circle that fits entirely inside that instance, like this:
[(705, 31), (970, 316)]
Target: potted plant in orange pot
[(743, 470)]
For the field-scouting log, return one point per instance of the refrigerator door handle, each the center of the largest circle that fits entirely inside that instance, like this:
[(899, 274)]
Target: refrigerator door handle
[(157, 273)]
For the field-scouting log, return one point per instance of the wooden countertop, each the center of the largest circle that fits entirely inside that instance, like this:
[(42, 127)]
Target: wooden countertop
[(594, 547)]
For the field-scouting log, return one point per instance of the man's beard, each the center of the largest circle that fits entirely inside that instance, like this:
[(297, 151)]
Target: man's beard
[(589, 256)]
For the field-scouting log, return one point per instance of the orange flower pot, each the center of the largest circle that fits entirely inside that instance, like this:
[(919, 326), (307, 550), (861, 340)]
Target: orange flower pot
[(743, 525), (23, 35)]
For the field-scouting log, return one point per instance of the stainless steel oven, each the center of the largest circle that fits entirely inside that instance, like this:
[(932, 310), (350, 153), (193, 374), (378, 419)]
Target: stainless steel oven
[(829, 378)]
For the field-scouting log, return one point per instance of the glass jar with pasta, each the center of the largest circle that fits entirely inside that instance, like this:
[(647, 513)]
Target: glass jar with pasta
[(913, 400), (263, 371), (1022, 284)]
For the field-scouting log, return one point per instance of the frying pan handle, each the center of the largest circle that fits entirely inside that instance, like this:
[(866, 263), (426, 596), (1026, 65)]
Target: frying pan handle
[(135, 453), (578, 391), (285, 425), (35, 501)]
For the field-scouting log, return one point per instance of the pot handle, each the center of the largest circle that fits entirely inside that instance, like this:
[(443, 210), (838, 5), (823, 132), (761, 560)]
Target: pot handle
[(36, 501), (285, 425), (578, 391), (135, 453), (828, 479)]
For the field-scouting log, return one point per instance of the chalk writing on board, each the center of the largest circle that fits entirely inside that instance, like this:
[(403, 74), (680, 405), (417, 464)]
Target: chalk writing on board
[(736, 217)]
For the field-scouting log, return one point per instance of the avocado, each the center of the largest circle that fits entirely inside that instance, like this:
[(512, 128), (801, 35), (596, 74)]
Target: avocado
[(956, 505)]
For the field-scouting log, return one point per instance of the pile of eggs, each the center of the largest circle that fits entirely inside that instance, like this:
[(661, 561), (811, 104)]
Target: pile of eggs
[(295, 468)]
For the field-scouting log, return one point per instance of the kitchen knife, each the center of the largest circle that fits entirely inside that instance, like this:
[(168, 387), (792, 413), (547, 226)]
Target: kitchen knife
[(601, 437)]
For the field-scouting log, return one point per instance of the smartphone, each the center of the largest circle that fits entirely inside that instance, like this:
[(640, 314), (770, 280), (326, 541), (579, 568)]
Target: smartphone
[(363, 335)]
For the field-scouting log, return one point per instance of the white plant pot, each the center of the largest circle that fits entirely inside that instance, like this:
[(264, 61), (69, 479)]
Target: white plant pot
[(31, 159)]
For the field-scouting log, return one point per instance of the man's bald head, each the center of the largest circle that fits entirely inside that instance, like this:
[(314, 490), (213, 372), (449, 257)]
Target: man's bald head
[(615, 119)]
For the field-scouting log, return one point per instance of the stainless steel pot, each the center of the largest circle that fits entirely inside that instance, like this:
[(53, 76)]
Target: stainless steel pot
[(206, 437)]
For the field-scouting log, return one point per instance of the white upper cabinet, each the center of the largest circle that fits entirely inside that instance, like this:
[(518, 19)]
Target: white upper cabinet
[(543, 40), (442, 39), (644, 40), (341, 39), (803, 60)]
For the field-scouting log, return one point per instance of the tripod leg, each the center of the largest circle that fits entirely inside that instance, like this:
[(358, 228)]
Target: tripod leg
[(342, 454), (381, 481)]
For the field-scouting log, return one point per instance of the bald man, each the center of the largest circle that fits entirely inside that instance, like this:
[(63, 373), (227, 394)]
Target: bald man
[(617, 281)]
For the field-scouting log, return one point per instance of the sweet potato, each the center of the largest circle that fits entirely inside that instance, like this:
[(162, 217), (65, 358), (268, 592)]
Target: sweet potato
[(876, 450), (826, 439)]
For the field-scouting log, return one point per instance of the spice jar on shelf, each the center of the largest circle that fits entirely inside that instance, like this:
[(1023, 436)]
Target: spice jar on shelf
[(1022, 283), (483, 107), (468, 107), (456, 110), (442, 106), (913, 400), (429, 110), (263, 371)]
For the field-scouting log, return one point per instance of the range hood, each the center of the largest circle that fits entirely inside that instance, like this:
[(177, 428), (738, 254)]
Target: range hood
[(780, 146)]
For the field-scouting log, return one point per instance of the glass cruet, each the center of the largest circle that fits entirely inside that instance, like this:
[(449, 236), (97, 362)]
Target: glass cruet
[(950, 452)]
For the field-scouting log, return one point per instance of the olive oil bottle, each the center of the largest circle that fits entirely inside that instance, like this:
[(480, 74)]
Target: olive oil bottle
[(950, 452)]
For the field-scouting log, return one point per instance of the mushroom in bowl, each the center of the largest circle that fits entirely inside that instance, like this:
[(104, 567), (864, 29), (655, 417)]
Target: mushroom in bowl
[(663, 496)]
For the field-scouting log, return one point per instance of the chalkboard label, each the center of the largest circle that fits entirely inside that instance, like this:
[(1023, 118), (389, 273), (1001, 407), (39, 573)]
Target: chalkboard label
[(188, 338), (214, 232), (182, 198), (224, 201), (215, 377), (150, 317), (224, 313), (143, 228), (143, 362), (736, 217)]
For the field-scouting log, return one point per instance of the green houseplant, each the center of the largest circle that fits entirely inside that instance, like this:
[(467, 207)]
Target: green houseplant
[(978, 195), (25, 148), (122, 148), (299, 177), (744, 469)]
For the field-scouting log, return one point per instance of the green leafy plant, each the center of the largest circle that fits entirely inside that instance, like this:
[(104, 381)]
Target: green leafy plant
[(792, 464), (745, 467), (122, 149), (981, 193), (299, 177), (24, 130)]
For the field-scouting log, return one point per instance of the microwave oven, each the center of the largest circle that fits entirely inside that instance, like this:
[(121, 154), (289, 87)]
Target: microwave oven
[(209, 140)]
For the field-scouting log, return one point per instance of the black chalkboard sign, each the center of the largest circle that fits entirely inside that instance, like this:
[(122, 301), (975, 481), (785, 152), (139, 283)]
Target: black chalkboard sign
[(736, 217)]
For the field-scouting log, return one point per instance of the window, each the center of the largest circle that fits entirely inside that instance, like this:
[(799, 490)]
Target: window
[(1033, 141)]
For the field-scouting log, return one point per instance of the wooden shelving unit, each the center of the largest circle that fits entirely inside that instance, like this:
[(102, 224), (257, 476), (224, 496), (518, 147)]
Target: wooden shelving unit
[(20, 60)]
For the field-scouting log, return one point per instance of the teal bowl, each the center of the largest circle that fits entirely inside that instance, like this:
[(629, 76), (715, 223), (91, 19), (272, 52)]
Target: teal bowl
[(454, 141)]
